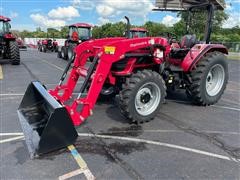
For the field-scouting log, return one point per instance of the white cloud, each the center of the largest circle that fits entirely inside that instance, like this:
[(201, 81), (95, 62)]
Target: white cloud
[(232, 21), (105, 10), (138, 10), (83, 4), (13, 14), (45, 21), (102, 20), (169, 20), (64, 13)]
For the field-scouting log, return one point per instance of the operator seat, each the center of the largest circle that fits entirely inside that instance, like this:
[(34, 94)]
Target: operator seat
[(187, 42)]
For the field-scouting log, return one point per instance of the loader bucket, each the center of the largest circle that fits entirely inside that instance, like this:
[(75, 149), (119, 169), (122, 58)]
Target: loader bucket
[(46, 124)]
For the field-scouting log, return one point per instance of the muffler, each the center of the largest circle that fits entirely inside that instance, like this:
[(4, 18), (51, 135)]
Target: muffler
[(46, 124)]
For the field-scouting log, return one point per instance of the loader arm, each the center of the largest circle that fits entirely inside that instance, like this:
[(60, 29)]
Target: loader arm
[(105, 53)]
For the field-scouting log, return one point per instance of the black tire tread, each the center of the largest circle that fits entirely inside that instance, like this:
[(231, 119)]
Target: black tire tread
[(128, 88), (197, 75), (14, 53)]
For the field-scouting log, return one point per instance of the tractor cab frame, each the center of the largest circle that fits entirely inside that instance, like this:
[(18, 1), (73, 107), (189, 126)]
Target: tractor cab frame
[(138, 32), (192, 6)]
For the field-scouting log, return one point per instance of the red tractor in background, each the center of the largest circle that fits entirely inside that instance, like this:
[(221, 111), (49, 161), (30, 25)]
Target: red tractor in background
[(139, 70), (8, 45), (21, 44), (77, 34), (47, 45), (138, 32)]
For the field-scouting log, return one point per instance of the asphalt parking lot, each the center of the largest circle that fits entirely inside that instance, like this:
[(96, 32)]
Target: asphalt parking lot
[(183, 142)]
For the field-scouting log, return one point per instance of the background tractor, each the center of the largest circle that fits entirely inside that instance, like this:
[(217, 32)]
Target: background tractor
[(48, 45), (21, 44), (77, 34), (8, 45), (139, 70)]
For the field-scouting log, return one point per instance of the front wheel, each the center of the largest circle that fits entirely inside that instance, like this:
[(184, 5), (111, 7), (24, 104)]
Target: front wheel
[(69, 53), (209, 79), (44, 48), (64, 52), (141, 96)]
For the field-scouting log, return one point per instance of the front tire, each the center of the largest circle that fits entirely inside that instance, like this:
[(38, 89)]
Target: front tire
[(14, 53), (69, 53), (64, 52), (44, 48), (209, 79), (141, 96)]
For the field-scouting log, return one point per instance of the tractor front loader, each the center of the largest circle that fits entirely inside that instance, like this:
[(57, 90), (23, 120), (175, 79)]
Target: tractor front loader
[(139, 70)]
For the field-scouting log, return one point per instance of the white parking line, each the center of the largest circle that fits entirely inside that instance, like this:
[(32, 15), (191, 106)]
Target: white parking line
[(53, 65), (12, 134), (11, 139), (162, 144), (226, 107), (152, 143), (71, 174), (216, 106), (81, 163), (11, 94), (1, 73)]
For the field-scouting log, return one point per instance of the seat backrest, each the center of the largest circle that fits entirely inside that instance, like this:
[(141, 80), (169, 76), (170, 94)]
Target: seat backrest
[(188, 41)]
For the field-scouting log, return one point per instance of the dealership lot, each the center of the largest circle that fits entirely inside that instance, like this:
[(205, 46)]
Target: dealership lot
[(183, 142)]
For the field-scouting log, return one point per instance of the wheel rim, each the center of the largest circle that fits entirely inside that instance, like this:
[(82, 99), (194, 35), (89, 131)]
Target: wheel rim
[(147, 98), (215, 80)]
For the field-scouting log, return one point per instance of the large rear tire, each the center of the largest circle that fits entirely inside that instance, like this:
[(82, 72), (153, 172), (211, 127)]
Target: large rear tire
[(209, 79), (14, 53), (141, 96)]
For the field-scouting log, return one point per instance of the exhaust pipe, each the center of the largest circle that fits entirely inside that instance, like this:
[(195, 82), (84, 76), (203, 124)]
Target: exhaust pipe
[(128, 27), (46, 124)]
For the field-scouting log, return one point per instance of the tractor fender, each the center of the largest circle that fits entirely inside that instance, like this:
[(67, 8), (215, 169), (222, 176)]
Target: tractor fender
[(197, 52)]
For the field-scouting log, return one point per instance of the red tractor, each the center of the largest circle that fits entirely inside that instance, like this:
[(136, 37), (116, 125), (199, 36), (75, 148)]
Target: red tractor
[(78, 33), (8, 45), (21, 44), (48, 45), (139, 70)]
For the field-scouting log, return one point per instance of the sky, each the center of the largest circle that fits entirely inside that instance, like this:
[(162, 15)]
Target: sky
[(30, 14)]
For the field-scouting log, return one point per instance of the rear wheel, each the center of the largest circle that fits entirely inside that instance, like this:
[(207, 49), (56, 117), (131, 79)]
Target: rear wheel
[(64, 52), (209, 79), (14, 53), (142, 95)]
